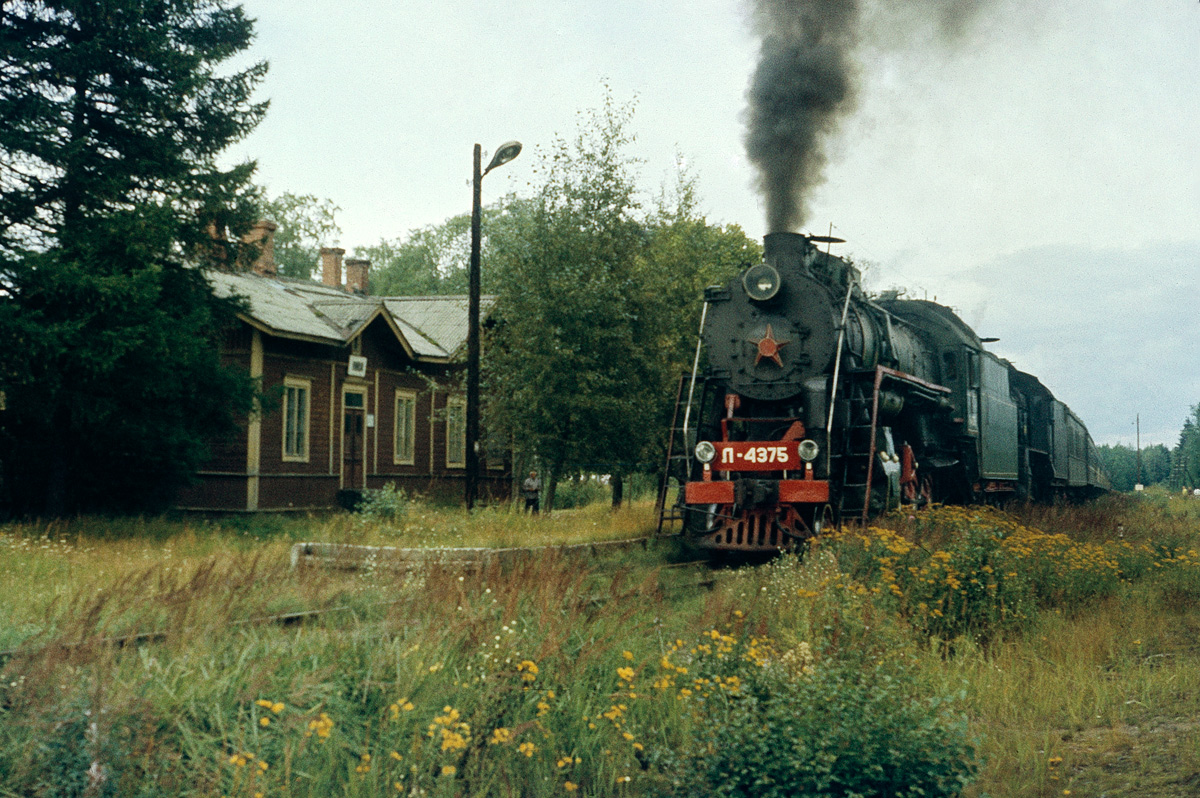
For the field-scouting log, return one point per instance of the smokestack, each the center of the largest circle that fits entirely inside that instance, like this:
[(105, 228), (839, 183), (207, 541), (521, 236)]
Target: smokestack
[(356, 275), (331, 266), (262, 235), (803, 83), (786, 250)]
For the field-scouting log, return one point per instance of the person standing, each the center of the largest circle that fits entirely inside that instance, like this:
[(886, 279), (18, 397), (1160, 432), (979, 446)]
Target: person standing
[(531, 489)]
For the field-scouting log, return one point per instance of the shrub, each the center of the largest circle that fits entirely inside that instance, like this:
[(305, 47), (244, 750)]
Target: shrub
[(955, 571), (769, 724), (385, 505), (579, 492)]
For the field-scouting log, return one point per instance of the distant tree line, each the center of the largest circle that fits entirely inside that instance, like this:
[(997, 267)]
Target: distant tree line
[(1176, 468), (1121, 464)]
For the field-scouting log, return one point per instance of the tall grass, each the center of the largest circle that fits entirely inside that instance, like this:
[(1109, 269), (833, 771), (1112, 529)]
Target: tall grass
[(547, 676)]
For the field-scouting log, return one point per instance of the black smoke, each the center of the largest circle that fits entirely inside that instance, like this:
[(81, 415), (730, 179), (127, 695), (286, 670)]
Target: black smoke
[(807, 80), (804, 82)]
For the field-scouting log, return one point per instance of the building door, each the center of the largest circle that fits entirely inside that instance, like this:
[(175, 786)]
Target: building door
[(353, 440)]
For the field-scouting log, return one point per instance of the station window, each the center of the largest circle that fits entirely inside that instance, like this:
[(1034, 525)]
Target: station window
[(406, 428), (456, 432), (296, 393)]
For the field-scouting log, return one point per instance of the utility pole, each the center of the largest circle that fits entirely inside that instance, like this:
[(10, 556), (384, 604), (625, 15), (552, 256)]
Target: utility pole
[(1139, 451), (506, 152)]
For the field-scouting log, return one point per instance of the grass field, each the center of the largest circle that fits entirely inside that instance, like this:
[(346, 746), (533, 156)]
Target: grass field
[(1041, 653)]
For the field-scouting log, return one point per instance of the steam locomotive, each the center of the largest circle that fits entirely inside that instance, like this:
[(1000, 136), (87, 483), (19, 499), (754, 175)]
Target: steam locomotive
[(821, 404)]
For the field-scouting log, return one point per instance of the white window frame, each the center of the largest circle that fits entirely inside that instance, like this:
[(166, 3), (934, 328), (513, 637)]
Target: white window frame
[(456, 403), (300, 454), (408, 457)]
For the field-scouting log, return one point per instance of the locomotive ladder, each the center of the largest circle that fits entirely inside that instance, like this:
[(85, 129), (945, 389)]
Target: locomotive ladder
[(677, 459), (857, 450), (679, 431)]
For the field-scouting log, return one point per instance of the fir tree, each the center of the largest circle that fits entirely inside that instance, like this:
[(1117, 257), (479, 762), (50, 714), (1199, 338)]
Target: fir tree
[(115, 112)]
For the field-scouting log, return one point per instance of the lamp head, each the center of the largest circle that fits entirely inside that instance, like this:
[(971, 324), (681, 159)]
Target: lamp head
[(504, 153)]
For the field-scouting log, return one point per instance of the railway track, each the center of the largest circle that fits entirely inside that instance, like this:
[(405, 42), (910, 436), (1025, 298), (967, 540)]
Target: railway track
[(353, 557)]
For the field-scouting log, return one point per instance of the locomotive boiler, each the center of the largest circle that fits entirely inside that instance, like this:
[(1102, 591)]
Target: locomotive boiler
[(821, 404)]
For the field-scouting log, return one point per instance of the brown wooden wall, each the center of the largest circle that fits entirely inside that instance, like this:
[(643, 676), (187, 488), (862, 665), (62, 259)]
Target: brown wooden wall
[(315, 482)]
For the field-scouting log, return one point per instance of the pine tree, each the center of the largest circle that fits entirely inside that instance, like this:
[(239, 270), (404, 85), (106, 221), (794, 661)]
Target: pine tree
[(115, 113)]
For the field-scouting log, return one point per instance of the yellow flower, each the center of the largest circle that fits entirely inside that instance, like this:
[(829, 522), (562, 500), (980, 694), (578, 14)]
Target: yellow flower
[(395, 755), (627, 654), (528, 670), (527, 749), (449, 770), (262, 765), (499, 736), (264, 721), (277, 707), (625, 673), (322, 726), (570, 786)]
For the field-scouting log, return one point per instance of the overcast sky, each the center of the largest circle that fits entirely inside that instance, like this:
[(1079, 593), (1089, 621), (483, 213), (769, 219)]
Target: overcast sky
[(1039, 173)]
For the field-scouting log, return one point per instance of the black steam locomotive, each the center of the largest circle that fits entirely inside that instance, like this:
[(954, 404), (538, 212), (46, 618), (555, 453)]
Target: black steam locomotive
[(821, 404)]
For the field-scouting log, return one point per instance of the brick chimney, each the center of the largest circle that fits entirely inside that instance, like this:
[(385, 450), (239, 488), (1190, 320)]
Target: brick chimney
[(356, 275), (331, 266), (262, 235)]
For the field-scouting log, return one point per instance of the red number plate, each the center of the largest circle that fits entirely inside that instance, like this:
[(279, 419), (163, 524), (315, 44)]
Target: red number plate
[(757, 456)]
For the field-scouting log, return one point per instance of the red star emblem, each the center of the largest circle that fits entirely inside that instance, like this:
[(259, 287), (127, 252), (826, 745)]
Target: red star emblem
[(768, 348)]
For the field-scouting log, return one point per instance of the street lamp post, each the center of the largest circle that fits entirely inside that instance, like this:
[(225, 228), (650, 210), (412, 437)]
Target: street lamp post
[(505, 153)]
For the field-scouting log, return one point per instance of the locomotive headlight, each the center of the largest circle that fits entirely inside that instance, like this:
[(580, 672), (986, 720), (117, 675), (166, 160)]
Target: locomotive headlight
[(809, 450), (761, 282), (705, 452)]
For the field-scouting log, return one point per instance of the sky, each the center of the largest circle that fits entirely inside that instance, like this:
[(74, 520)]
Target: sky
[(1038, 172)]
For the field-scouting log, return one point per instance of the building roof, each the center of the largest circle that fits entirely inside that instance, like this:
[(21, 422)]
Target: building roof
[(430, 328)]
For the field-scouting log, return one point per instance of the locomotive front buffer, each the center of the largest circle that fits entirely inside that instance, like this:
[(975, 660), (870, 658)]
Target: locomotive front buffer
[(758, 495)]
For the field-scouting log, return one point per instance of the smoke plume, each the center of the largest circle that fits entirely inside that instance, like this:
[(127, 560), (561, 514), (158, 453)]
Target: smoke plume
[(804, 82), (807, 79)]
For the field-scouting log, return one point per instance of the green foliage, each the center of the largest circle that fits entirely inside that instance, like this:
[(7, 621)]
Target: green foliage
[(977, 573), (598, 302), (579, 491), (431, 260), (1120, 462), (579, 352), (117, 108), (306, 223), (115, 116), (1186, 465), (783, 724), (388, 504)]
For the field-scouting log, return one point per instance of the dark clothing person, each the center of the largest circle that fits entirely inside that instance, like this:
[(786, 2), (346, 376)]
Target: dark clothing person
[(531, 490)]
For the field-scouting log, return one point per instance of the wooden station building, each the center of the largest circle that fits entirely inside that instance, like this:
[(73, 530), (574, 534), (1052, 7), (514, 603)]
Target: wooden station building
[(361, 391)]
